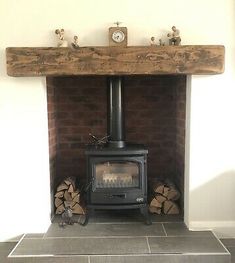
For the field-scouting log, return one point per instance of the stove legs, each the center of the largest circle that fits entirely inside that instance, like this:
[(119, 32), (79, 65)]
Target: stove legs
[(83, 219), (145, 213)]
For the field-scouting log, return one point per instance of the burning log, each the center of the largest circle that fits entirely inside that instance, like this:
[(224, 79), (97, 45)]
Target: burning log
[(68, 196), (163, 201)]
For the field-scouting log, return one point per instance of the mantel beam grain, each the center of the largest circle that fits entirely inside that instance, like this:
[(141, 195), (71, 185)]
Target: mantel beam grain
[(133, 60)]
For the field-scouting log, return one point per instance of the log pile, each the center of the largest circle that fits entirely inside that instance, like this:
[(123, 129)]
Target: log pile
[(68, 196), (164, 198)]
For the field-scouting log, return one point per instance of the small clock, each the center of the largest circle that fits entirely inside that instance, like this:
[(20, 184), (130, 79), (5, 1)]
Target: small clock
[(118, 36)]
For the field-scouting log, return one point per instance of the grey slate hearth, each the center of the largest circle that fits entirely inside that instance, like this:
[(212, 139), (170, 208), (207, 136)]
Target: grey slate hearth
[(126, 241)]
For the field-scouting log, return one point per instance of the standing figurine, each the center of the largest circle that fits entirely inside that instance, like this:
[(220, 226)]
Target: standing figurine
[(174, 37), (152, 41), (67, 217), (61, 41), (75, 42)]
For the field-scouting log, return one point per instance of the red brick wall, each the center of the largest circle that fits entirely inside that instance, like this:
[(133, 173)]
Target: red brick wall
[(52, 132), (154, 115), (150, 119), (51, 110), (81, 109), (180, 133)]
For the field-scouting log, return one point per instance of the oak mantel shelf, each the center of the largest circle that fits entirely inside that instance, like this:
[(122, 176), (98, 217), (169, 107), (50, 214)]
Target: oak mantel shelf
[(132, 60)]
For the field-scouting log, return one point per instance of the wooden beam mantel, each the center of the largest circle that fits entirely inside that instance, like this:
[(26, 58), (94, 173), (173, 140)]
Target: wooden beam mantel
[(133, 60)]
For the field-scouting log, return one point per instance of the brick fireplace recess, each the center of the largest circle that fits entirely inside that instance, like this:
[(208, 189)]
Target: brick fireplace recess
[(154, 116), (154, 98)]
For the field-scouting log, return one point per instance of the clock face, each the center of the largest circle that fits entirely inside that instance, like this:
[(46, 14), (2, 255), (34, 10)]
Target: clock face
[(118, 36)]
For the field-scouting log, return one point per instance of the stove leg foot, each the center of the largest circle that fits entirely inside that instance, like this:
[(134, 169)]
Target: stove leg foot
[(83, 220), (145, 213)]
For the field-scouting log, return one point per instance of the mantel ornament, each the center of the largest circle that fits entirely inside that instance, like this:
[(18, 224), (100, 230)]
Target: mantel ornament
[(61, 40), (153, 42), (174, 37), (75, 42), (118, 37)]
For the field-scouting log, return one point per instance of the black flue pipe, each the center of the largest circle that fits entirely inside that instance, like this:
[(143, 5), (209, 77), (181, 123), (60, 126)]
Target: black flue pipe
[(116, 124)]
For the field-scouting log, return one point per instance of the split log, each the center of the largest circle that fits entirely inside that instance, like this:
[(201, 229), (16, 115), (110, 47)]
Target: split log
[(78, 209), (71, 189), (160, 198), (77, 198), (155, 203), (75, 194), (165, 191), (68, 196), (68, 203), (158, 187), (73, 203), (58, 202), (170, 208), (60, 209), (164, 196), (70, 181), (62, 187), (155, 210), (173, 194), (59, 194)]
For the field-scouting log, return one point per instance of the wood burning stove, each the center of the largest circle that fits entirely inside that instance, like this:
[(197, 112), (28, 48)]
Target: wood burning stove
[(117, 176), (117, 171)]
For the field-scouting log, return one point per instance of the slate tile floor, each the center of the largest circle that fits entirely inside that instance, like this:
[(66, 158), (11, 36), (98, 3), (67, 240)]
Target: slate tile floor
[(229, 243), (115, 240)]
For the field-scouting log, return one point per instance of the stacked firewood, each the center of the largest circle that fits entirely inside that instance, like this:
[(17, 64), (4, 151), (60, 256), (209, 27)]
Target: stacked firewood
[(164, 198), (68, 196)]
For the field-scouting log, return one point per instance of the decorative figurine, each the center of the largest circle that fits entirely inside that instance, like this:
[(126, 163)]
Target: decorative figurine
[(174, 37), (61, 41), (67, 217), (152, 41), (75, 42)]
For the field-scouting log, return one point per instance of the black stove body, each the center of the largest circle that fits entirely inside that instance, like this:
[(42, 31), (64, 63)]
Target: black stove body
[(117, 176), (117, 171)]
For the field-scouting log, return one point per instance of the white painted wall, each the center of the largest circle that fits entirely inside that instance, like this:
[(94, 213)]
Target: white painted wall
[(24, 175)]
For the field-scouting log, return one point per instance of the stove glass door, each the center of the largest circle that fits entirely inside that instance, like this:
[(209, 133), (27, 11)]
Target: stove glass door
[(117, 174)]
